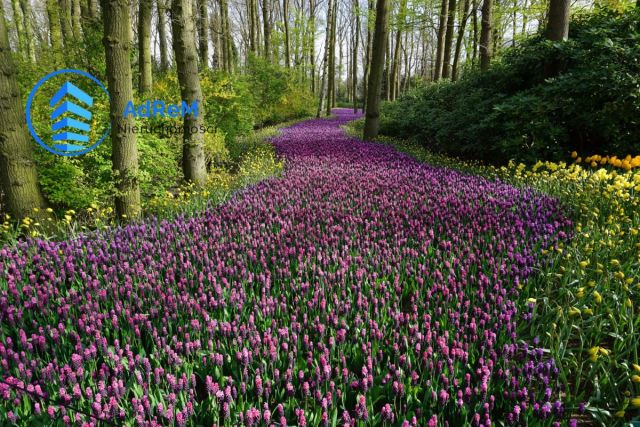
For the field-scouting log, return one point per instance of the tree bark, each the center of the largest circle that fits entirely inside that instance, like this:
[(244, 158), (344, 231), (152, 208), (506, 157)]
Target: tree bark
[(18, 176), (161, 7), (18, 22), (144, 47), (55, 31), (331, 55), (203, 40), (367, 60), (372, 119), (285, 13), (184, 49), (354, 65), (266, 21), (30, 44), (396, 54), (66, 21), (125, 151), (461, 29), (448, 40), (442, 29), (325, 60), (76, 19), (486, 35), (312, 42), (558, 22)]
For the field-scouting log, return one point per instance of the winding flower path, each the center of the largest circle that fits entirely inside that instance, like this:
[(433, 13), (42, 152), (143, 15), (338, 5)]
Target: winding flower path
[(360, 285)]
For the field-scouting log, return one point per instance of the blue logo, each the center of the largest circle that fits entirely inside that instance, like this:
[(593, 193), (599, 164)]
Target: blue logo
[(71, 117)]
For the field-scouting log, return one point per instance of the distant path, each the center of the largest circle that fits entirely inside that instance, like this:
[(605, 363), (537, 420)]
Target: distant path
[(360, 283)]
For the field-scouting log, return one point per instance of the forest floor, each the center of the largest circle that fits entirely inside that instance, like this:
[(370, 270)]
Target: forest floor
[(361, 284)]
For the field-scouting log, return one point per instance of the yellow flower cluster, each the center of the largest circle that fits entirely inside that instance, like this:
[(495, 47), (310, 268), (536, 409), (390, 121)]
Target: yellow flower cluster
[(596, 160)]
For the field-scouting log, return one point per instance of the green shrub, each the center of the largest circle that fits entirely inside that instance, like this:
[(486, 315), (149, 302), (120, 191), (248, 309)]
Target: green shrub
[(525, 108)]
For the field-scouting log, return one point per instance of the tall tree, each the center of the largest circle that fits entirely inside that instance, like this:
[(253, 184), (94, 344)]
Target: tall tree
[(486, 34), (372, 118), (253, 25), (442, 30), (448, 40), (161, 7), (367, 59), (203, 39), (30, 44), (285, 17), (558, 22), (331, 69), (66, 21), (55, 31), (312, 43), (325, 60), (18, 177), (18, 22), (125, 151), (461, 30), (266, 22), (356, 44), (395, 66), (184, 49), (144, 47), (76, 19)]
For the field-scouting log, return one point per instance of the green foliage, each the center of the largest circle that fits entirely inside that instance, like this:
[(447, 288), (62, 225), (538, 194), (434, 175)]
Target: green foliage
[(541, 100), (279, 94)]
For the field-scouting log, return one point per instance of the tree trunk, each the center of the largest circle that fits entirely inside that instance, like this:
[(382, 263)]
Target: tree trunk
[(325, 60), (558, 22), (395, 72), (184, 49), (55, 32), (203, 40), (18, 22), (66, 21), (474, 54), (93, 9), (448, 40), (125, 152), (161, 7), (331, 58), (215, 30), (442, 29), (372, 120), (253, 26), (285, 13), (486, 35), (354, 60), (76, 19), (461, 29), (25, 6), (266, 21), (367, 61), (144, 47), (18, 176), (312, 42)]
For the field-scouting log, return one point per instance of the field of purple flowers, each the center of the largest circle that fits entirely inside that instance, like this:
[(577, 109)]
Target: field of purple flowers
[(359, 288)]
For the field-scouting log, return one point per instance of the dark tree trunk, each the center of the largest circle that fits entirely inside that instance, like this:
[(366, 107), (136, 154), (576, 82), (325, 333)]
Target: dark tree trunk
[(144, 47), (461, 29), (124, 157), (372, 119), (285, 13), (161, 6), (486, 35), (354, 65), (203, 40), (325, 61), (266, 22), (442, 30), (185, 51), (558, 23), (448, 40)]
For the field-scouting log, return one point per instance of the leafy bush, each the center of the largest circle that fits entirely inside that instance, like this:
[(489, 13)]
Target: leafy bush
[(541, 100)]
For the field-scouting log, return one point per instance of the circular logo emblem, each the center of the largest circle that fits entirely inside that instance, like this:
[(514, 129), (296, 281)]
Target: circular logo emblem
[(67, 112)]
